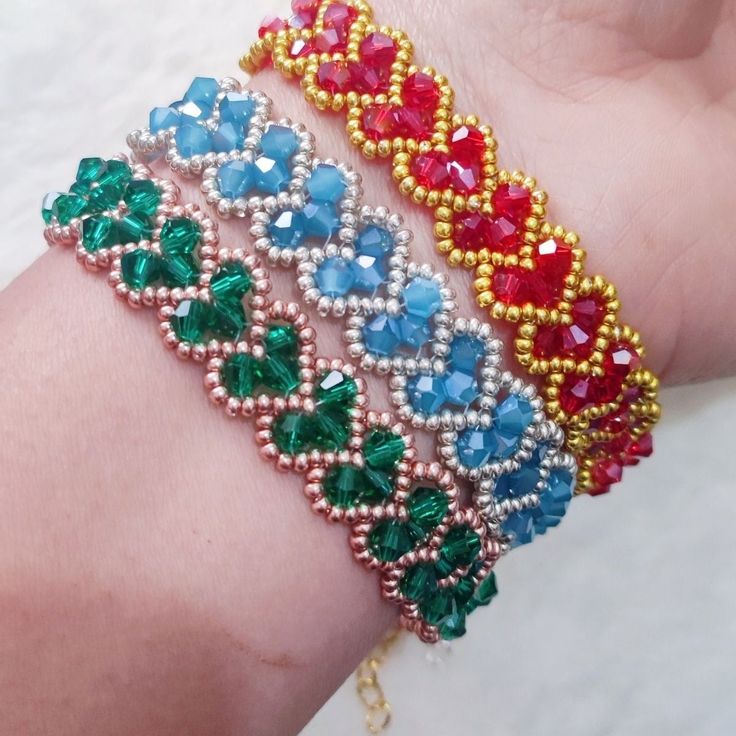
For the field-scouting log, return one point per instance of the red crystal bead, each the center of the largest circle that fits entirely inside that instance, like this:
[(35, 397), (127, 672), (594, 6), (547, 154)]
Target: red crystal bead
[(512, 202), (554, 259), (575, 339), (305, 12), (334, 76), (472, 231), (339, 16), (599, 490), (379, 121), (620, 360), (511, 285), (578, 393), (367, 79), (464, 175), (300, 48), (412, 123), (503, 234), (420, 92), (467, 143), (330, 40), (271, 24), (378, 50), (607, 472), (642, 447), (430, 170)]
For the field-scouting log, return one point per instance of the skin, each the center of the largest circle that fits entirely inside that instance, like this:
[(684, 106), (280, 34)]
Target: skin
[(156, 575)]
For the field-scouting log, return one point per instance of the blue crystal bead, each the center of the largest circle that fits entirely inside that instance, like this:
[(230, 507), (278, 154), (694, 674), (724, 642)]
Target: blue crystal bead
[(235, 178), (413, 332), (465, 353), (475, 447), (287, 230), (520, 527), (426, 393), (326, 184), (272, 175), (279, 142), (202, 92), (193, 112), (334, 277), (422, 297), (523, 480), (193, 139), (236, 108), (369, 271), (381, 336), (512, 416), (553, 502), (461, 388), (227, 137), (162, 118), (321, 218), (374, 240)]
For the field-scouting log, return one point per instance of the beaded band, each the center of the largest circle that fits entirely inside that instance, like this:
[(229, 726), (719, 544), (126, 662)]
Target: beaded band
[(527, 271), (434, 551)]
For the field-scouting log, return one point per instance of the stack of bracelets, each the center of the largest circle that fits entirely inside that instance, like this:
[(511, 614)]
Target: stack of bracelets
[(508, 461)]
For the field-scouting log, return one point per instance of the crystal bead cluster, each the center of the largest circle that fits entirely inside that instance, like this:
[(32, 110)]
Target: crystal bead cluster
[(527, 271)]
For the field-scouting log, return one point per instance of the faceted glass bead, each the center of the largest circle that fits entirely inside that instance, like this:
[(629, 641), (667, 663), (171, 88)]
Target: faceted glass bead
[(464, 175), (519, 526), (237, 108), (422, 297), (389, 540), (463, 592), (381, 335), (281, 339), (472, 231), (334, 76), (320, 219), (105, 197), (368, 80), (228, 137), (139, 268), (179, 271), (240, 374), (419, 91), (467, 143), (466, 352), (374, 240), (523, 480), (368, 272), (142, 197), (432, 170), (503, 235), (326, 184), (90, 169), (413, 331), (453, 627), (99, 232), (227, 319), (68, 206), (162, 118), (426, 393), (190, 321), (427, 507), (412, 123), (484, 593), (335, 390), (579, 393), (279, 142), (512, 201), (378, 50), (513, 415), (554, 501), (271, 175), (288, 229), (271, 24), (379, 485), (202, 91), (461, 388), (475, 447), (236, 178), (437, 606), (133, 229), (301, 48), (334, 277), (342, 486), (461, 546), (383, 449), (292, 432), (179, 236), (379, 121), (231, 282), (116, 174), (620, 360), (418, 582), (193, 139), (46, 206), (331, 429), (306, 10)]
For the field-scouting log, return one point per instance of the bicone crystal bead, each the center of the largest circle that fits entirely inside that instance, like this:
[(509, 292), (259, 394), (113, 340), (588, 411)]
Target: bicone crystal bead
[(461, 546), (66, 207), (335, 390), (193, 139), (321, 219), (202, 91), (240, 374), (179, 236), (389, 540), (374, 240), (334, 277), (139, 268), (179, 271), (231, 282), (236, 178), (422, 297), (227, 137), (418, 582), (326, 184), (271, 174), (381, 335), (90, 169), (426, 393), (163, 118), (288, 229), (190, 320), (342, 486), (237, 108), (427, 507), (279, 142), (383, 449), (99, 231), (142, 197)]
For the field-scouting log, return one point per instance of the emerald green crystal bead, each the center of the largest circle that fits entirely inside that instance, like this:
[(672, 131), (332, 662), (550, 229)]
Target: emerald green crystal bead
[(231, 282), (464, 591), (105, 197), (139, 268), (427, 507), (453, 627), (332, 430), (389, 540), (99, 231), (484, 594), (419, 582), (443, 567), (335, 390), (280, 374), (133, 229), (190, 321), (179, 237), (281, 339), (292, 432), (343, 486), (179, 271), (81, 189), (240, 374), (142, 197), (381, 484), (47, 205), (437, 606), (461, 546), (90, 169), (68, 206), (116, 174), (227, 319), (383, 449)]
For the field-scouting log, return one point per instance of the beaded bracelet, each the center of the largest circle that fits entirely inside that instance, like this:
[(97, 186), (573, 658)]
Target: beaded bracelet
[(434, 552), (527, 271)]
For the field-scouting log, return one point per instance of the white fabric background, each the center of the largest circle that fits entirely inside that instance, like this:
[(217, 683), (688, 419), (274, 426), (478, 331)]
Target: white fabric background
[(622, 623)]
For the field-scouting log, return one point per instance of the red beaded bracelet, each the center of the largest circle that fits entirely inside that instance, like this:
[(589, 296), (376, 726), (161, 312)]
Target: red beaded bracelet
[(527, 271)]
